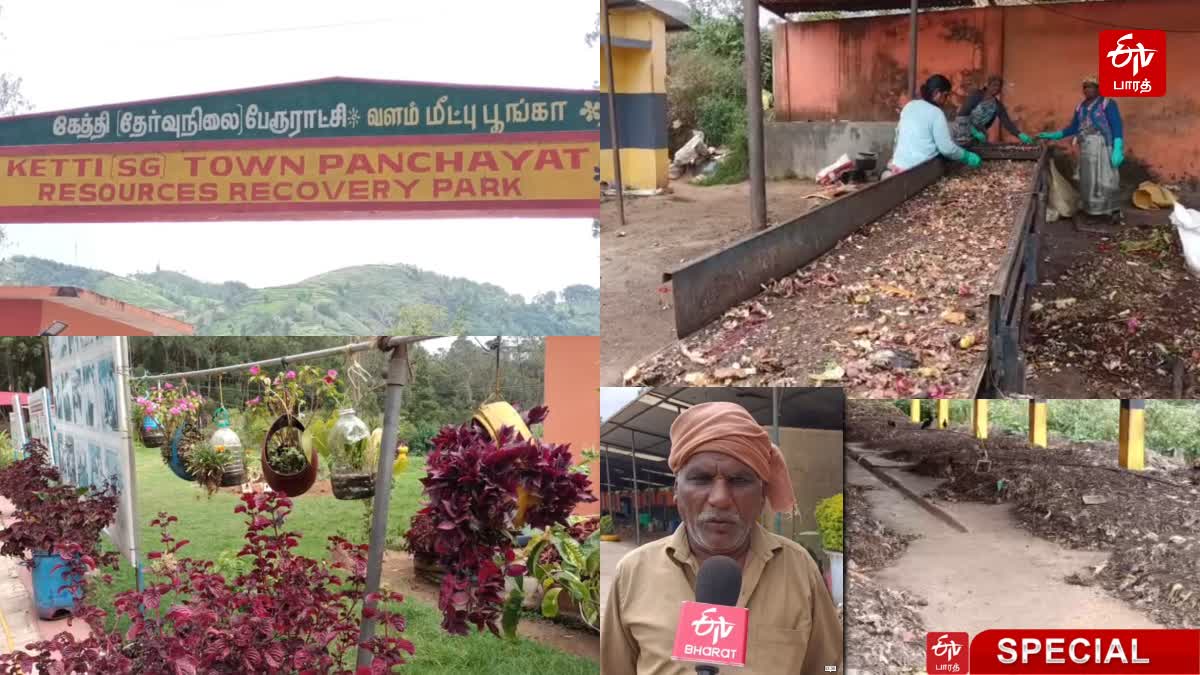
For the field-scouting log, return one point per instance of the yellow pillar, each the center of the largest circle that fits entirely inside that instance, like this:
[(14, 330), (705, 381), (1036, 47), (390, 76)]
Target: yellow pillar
[(943, 413), (914, 410), (1037, 422), (1132, 438), (979, 418)]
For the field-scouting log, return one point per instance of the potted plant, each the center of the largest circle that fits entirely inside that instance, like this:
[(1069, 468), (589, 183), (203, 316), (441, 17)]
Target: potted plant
[(829, 520), (207, 464), (419, 541), (177, 413), (351, 476), (55, 532), (228, 446), (286, 466)]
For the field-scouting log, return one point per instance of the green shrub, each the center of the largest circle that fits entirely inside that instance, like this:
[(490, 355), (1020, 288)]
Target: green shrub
[(829, 519), (735, 168), (606, 524)]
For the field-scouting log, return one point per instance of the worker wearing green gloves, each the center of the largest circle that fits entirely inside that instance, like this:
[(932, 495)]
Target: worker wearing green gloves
[(1097, 122), (923, 132), (980, 111)]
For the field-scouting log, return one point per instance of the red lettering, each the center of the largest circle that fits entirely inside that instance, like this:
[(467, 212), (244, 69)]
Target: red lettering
[(407, 187), (66, 192), (548, 156), (220, 166), (260, 192), (208, 192), (379, 190), (466, 187), (456, 163), (126, 167), (359, 164), (17, 167), (395, 166), (152, 167), (294, 164), (483, 158), (517, 160), (237, 192), (512, 186), (441, 185), (37, 168), (187, 192), (412, 162), (256, 166), (193, 165), (45, 192), (576, 155), (328, 163), (334, 195), (489, 187), (146, 192), (359, 190), (308, 191)]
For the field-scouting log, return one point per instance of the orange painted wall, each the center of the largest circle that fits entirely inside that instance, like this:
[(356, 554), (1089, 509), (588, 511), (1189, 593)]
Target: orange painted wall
[(856, 69), (29, 317), (572, 386)]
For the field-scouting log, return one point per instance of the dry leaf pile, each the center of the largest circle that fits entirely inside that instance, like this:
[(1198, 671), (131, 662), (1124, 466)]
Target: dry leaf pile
[(898, 309), (884, 633)]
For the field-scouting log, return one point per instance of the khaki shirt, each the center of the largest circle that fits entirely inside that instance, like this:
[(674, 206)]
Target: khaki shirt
[(794, 626)]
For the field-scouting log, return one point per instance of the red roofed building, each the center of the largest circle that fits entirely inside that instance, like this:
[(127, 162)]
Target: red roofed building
[(29, 310)]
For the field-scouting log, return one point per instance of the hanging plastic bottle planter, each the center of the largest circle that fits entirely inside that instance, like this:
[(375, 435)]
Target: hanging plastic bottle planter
[(352, 475), (226, 442), (152, 433)]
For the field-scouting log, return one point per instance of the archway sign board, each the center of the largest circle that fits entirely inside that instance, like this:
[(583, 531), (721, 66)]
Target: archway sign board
[(326, 149)]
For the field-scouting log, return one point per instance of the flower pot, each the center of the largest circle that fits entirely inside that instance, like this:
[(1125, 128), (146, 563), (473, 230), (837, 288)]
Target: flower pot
[(835, 575), (178, 466), (152, 433), (353, 485), (227, 442), (495, 416), (292, 485), (52, 586)]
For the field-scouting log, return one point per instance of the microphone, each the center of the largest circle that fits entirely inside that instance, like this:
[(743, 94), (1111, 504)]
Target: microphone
[(719, 583)]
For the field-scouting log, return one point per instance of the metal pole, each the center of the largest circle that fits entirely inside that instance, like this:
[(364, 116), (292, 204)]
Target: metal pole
[(123, 425), (397, 379), (912, 51), (754, 113), (637, 519), (612, 115)]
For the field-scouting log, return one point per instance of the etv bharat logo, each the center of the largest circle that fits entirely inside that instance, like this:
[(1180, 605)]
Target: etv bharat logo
[(705, 625), (946, 652), (1133, 63)]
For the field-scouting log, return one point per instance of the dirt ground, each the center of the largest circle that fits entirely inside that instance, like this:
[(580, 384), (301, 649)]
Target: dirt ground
[(1118, 316), (399, 575), (897, 309), (1144, 525), (660, 233)]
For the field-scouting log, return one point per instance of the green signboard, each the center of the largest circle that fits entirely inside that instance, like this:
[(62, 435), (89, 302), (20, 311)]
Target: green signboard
[(333, 108)]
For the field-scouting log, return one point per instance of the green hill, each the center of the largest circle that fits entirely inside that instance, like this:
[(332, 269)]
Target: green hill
[(364, 300)]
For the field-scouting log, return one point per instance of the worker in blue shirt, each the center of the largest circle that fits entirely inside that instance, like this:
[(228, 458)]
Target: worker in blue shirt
[(980, 111), (1097, 122), (923, 132)]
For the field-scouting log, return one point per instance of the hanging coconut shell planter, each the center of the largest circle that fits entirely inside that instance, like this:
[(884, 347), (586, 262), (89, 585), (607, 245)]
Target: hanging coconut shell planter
[(284, 464), (352, 476), (153, 435), (225, 441)]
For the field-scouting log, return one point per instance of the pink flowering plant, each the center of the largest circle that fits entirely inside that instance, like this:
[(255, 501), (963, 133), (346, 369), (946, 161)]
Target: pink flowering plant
[(292, 391), (172, 407)]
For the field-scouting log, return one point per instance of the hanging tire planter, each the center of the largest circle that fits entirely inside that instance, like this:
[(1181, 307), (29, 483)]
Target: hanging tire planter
[(283, 438), (185, 434), (152, 433), (491, 418), (350, 476)]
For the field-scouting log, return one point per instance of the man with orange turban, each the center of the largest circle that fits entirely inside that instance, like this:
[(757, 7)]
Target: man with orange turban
[(726, 470)]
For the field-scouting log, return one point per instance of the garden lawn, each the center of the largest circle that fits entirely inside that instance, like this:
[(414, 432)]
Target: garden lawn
[(211, 528)]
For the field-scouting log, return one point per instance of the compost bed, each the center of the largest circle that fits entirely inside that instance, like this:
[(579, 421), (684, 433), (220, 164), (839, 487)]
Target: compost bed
[(1121, 320), (899, 308), (1149, 521)]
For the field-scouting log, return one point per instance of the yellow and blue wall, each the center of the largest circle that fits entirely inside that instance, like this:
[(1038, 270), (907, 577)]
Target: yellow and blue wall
[(640, 70)]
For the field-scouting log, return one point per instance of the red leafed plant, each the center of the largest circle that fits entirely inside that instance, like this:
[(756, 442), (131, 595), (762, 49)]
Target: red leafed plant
[(286, 614), (471, 485), (580, 531), (21, 481)]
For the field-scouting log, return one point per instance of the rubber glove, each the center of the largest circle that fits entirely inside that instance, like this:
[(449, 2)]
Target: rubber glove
[(971, 159), (978, 135), (1025, 139), (1118, 153), (1051, 135)]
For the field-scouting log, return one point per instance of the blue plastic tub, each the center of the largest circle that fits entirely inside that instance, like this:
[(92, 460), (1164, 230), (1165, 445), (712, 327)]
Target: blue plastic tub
[(51, 586)]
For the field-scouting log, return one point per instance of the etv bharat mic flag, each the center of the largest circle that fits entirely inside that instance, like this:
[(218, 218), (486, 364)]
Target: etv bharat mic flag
[(713, 634)]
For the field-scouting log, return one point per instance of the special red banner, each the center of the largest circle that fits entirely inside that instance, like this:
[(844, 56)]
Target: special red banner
[(1145, 652)]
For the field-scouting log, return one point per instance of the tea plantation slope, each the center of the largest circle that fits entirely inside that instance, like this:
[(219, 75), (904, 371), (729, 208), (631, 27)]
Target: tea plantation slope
[(355, 300)]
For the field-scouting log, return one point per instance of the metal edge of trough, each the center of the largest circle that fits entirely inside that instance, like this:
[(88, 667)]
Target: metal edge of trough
[(1003, 372), (704, 288)]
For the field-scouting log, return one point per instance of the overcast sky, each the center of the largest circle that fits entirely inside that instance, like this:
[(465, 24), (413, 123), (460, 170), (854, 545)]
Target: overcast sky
[(612, 399), (73, 53)]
